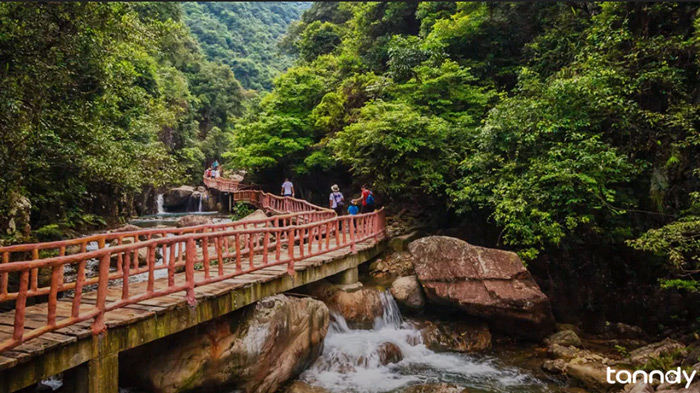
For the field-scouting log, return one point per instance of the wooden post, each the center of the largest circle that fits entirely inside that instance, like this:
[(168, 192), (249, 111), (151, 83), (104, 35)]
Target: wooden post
[(189, 271)]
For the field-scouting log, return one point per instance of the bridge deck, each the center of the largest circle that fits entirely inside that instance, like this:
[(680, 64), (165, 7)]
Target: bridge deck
[(32, 354)]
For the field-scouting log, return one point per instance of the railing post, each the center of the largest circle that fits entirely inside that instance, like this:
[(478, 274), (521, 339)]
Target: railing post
[(99, 325), (290, 249), (351, 223), (375, 217), (189, 271), (20, 305)]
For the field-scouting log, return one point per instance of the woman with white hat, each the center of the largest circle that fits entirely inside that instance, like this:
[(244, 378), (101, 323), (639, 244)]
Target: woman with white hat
[(337, 201)]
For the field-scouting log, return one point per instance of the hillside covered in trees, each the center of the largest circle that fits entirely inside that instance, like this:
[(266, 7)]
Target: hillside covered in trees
[(244, 36), (567, 132), (99, 102)]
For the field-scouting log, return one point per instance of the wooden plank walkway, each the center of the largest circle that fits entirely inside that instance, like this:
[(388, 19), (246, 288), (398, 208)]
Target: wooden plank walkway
[(35, 315)]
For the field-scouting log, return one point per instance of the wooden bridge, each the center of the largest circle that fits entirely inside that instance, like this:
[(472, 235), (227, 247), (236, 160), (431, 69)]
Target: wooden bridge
[(74, 305)]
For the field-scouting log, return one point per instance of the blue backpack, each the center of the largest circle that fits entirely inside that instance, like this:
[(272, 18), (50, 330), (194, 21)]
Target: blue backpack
[(370, 199)]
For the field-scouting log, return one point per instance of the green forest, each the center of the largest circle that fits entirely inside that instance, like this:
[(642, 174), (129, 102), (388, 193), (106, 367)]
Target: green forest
[(567, 132), (244, 36)]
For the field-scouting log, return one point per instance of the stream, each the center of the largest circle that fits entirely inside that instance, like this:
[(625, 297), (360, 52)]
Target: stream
[(351, 361)]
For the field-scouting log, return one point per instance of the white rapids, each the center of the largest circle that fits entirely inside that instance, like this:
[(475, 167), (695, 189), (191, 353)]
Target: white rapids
[(351, 361)]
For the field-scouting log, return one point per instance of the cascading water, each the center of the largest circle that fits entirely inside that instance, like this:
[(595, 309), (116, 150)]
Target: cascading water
[(159, 204), (352, 361), (199, 209)]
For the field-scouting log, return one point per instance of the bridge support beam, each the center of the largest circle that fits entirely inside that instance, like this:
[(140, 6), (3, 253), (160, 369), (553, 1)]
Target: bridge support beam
[(94, 376), (347, 277), (99, 374)]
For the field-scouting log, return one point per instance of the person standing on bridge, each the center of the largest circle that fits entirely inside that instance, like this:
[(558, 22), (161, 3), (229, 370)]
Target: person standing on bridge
[(367, 198), (287, 188), (337, 202)]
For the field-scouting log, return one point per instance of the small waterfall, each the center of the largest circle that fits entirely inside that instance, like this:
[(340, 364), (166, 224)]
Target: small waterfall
[(159, 204), (356, 360), (199, 209)]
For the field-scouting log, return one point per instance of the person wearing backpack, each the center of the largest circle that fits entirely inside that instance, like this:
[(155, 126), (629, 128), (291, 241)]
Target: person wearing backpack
[(337, 201), (367, 200)]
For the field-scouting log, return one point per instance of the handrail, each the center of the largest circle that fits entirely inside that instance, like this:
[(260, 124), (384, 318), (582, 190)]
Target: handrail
[(281, 205), (302, 231)]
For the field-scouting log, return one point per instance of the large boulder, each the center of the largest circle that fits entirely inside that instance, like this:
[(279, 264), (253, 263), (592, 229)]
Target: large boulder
[(258, 350), (483, 282), (358, 307), (177, 197), (408, 293), (193, 220)]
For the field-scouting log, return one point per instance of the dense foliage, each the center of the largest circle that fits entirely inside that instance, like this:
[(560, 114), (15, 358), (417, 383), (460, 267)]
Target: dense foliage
[(571, 127), (244, 36), (567, 132), (100, 100)]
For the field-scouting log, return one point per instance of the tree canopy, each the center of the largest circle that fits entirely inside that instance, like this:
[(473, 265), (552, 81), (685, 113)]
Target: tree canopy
[(565, 125)]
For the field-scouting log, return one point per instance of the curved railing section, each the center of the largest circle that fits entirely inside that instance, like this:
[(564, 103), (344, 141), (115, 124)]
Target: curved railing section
[(299, 230)]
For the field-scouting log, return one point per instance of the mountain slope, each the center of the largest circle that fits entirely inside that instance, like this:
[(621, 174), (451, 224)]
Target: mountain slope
[(244, 35)]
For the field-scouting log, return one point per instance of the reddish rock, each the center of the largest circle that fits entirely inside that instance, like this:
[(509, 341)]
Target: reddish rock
[(257, 350), (359, 308), (487, 283), (193, 220), (389, 353)]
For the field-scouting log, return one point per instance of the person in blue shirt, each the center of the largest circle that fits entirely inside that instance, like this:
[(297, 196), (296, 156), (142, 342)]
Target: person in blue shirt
[(353, 209)]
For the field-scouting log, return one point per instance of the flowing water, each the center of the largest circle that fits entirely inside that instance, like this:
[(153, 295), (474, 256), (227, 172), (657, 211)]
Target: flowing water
[(351, 361), (159, 204)]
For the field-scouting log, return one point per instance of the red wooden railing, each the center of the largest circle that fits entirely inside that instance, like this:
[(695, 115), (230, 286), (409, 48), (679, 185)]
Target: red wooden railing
[(301, 230)]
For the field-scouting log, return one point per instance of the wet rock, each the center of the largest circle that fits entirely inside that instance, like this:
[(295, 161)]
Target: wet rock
[(562, 352), (126, 228), (358, 307), (397, 264), (641, 387), (192, 220), (177, 197), (487, 283), (557, 366), (389, 353), (258, 350), (408, 293), (435, 388), (255, 216), (564, 338), (666, 386), (591, 375), (457, 336), (694, 388), (643, 355), (303, 387), (567, 326)]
